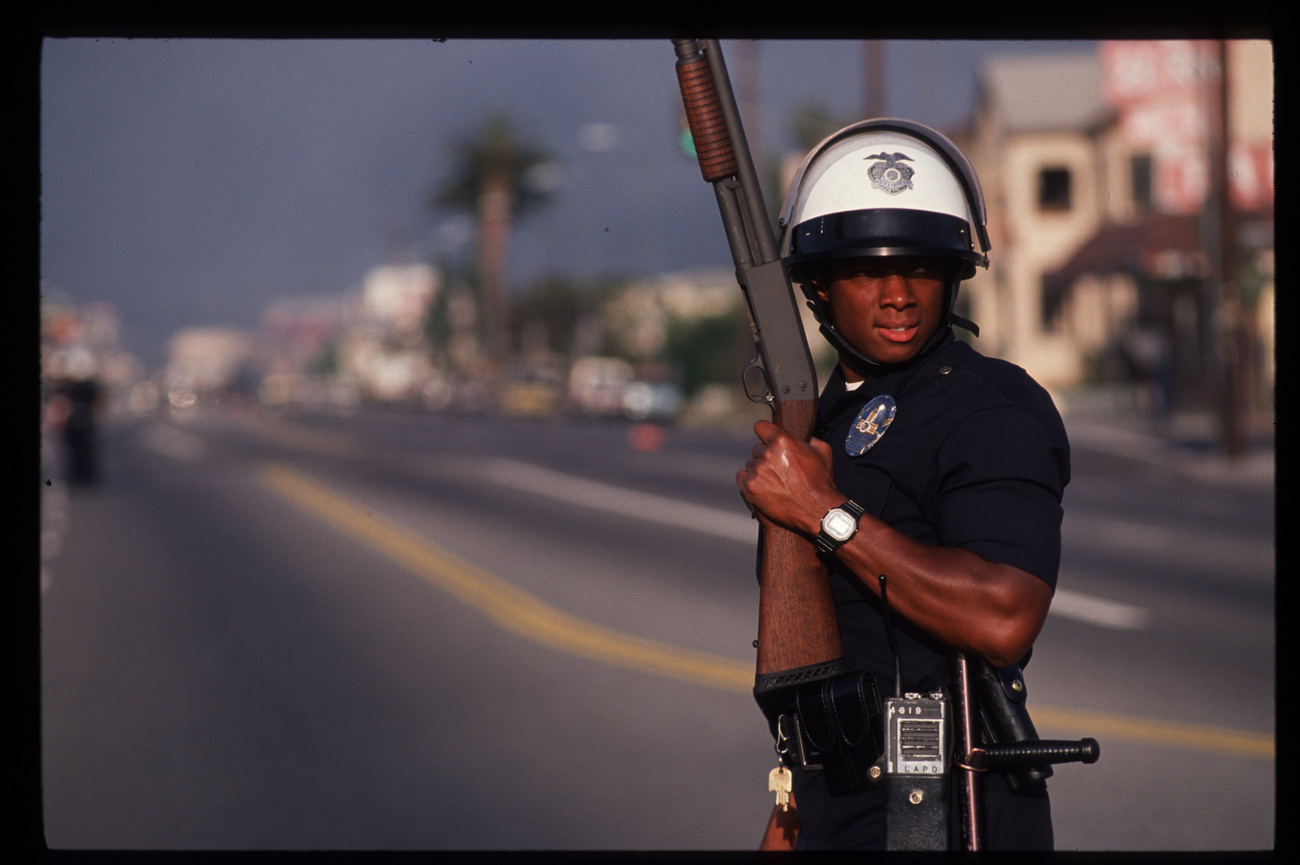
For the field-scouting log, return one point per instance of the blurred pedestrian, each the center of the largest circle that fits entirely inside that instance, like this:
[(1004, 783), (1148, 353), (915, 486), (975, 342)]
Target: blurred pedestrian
[(1147, 360), (73, 413)]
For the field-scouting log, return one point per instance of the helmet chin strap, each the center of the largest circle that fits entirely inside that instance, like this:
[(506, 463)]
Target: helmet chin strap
[(866, 365), (965, 324)]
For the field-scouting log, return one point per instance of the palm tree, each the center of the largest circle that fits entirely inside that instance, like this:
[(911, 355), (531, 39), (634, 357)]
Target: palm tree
[(496, 175)]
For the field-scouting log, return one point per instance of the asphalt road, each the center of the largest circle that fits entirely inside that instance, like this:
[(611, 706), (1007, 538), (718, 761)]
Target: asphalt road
[(402, 630)]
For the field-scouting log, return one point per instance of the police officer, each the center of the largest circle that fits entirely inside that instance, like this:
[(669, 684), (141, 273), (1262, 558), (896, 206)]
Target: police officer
[(930, 463)]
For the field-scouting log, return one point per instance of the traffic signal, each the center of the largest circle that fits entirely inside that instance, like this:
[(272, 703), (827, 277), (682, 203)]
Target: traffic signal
[(684, 139)]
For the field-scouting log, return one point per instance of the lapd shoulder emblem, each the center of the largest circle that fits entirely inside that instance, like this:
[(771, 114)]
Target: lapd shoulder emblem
[(870, 425), (891, 175)]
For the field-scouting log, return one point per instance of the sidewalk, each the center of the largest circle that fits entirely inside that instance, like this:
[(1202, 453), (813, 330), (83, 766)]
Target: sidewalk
[(1183, 442)]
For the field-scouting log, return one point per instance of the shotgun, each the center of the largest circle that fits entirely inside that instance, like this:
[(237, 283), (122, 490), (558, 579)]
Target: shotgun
[(798, 638)]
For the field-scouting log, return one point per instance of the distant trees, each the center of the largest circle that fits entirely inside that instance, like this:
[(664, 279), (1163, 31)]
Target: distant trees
[(709, 349), (565, 312), (499, 177)]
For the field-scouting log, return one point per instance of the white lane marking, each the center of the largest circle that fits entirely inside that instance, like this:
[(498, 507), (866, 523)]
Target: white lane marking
[(700, 467), (1136, 535), (1116, 441), (1175, 543), (617, 500), (606, 497), (171, 442), (1257, 468), (1099, 611)]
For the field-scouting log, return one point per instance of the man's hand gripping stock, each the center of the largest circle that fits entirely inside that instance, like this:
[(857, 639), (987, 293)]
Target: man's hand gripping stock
[(788, 481)]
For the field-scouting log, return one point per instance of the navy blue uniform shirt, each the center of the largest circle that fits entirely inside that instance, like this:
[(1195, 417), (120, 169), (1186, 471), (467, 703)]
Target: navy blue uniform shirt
[(976, 457)]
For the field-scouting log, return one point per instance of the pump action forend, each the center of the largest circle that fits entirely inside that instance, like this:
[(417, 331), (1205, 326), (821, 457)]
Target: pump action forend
[(798, 638)]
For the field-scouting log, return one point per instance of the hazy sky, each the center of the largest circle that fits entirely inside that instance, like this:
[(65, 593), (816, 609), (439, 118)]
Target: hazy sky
[(188, 181)]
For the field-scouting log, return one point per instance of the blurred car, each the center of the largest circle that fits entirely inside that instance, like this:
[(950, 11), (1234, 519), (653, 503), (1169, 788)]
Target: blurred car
[(531, 397), (651, 401), (597, 385)]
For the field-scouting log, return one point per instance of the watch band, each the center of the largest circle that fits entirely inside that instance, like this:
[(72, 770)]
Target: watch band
[(827, 544)]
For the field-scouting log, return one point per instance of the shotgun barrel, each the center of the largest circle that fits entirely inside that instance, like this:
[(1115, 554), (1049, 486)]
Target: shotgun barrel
[(798, 638)]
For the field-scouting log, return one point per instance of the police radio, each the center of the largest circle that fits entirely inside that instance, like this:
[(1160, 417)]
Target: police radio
[(918, 746)]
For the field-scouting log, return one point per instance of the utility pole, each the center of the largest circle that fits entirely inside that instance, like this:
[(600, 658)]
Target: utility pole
[(1228, 332), (746, 80), (873, 80)]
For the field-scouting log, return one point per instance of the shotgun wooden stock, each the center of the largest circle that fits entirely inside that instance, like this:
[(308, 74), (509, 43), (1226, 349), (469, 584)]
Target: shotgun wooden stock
[(798, 637), (796, 617)]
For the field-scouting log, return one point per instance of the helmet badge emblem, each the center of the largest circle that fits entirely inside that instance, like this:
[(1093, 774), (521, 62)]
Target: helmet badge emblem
[(891, 175)]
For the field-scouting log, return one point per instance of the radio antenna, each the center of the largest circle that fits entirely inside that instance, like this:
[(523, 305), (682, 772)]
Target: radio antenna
[(893, 642)]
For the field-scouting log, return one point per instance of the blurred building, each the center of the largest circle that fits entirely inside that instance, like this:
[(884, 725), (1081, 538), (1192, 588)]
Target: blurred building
[(1034, 143), (83, 340), (369, 341), (638, 319), (1095, 167), (688, 338), (1144, 294), (297, 332), (208, 362), (385, 350), (396, 297), (298, 350)]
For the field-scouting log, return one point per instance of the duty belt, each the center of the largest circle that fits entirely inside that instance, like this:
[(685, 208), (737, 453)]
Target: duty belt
[(834, 725)]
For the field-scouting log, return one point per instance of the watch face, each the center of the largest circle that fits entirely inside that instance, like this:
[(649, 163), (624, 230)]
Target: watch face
[(839, 524)]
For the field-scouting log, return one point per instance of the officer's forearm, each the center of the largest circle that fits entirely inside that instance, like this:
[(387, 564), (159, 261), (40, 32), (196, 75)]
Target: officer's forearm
[(991, 610), (988, 609)]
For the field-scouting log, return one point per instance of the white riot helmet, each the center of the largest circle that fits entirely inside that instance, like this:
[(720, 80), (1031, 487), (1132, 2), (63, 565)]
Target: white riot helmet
[(884, 187)]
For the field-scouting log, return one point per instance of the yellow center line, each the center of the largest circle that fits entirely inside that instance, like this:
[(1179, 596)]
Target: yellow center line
[(1196, 737), (506, 604), (528, 616)]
